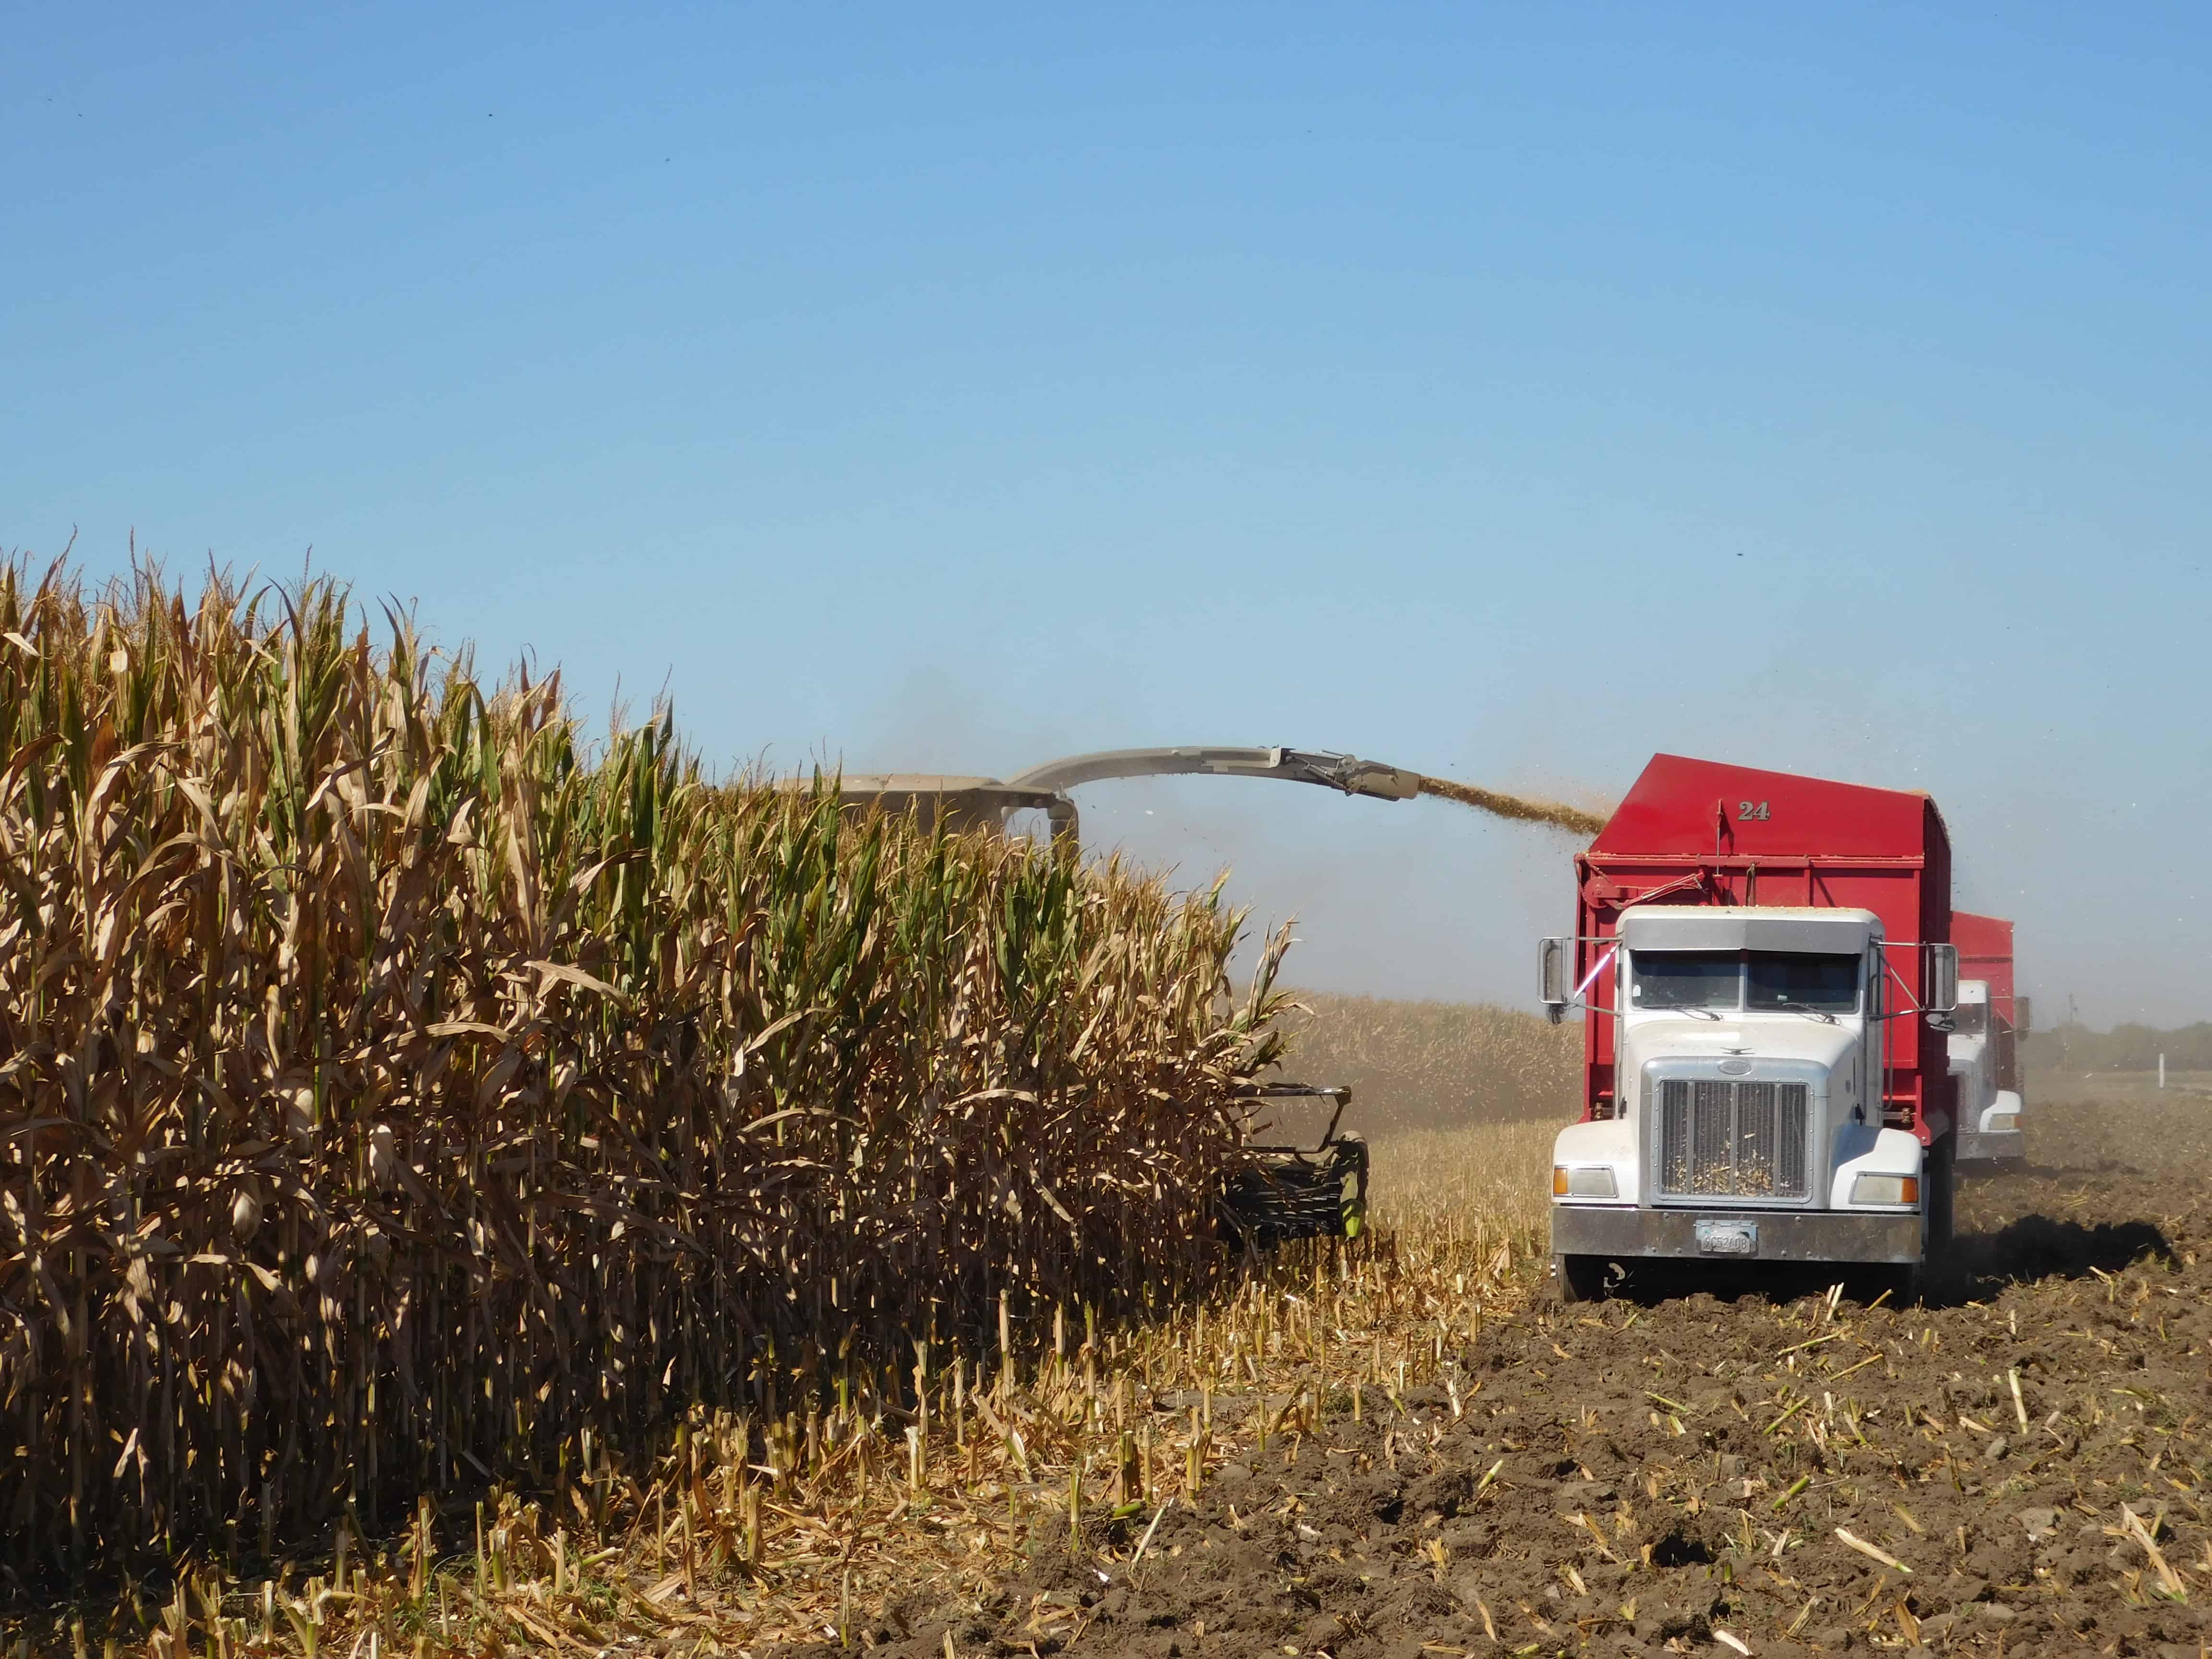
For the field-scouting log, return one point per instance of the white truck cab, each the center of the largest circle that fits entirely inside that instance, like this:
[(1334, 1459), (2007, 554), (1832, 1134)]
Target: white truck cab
[(1748, 1117), (1988, 1116)]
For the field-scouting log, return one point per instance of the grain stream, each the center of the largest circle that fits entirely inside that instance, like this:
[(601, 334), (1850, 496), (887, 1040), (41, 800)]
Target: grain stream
[(1519, 808)]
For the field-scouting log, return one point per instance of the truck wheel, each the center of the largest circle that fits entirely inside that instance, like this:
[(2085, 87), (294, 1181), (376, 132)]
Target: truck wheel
[(1903, 1285), (1939, 1178), (1578, 1278), (1941, 1172)]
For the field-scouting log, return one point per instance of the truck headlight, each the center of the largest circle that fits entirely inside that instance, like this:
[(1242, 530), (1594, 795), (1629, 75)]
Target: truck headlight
[(1886, 1189), (1583, 1183), (2000, 1121)]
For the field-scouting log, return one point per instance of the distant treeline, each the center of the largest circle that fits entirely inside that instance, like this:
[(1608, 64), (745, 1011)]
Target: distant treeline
[(2122, 1048)]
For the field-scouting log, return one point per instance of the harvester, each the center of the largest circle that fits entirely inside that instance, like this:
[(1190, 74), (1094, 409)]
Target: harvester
[(1284, 1191), (1779, 1057)]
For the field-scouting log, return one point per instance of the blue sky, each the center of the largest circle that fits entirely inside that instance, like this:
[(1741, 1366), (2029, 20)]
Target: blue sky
[(1508, 393)]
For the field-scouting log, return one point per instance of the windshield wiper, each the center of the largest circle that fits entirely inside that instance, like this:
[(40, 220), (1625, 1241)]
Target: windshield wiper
[(1696, 1012), (1806, 1008)]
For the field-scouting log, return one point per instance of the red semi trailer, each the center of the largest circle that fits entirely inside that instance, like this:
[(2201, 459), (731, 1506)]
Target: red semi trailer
[(1768, 973)]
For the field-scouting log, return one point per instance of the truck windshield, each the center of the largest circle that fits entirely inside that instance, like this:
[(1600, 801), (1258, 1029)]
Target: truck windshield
[(1824, 984), (1685, 979), (1733, 980)]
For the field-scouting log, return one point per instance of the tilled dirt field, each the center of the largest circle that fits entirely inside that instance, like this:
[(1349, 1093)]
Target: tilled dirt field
[(2015, 1466)]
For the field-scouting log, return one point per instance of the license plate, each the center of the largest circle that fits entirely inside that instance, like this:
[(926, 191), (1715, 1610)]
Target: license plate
[(1728, 1238)]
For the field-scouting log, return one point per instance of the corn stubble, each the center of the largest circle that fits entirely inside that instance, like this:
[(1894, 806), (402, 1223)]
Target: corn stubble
[(402, 1094)]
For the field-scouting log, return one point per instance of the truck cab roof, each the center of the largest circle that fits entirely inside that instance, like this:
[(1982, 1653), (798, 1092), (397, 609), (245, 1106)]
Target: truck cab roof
[(1817, 930)]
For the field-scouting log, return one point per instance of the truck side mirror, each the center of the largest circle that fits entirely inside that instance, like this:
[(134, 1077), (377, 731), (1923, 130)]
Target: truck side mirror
[(1940, 994), (1553, 961), (2023, 1016)]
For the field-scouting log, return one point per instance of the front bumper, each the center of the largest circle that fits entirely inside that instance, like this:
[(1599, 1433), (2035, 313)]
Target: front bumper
[(1618, 1233), (1990, 1146)]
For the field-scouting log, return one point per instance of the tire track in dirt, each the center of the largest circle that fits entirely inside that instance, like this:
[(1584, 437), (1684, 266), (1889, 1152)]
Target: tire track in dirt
[(2016, 1465)]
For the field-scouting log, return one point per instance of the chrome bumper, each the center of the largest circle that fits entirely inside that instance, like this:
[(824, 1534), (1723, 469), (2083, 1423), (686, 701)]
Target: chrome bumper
[(1990, 1146), (1618, 1233)]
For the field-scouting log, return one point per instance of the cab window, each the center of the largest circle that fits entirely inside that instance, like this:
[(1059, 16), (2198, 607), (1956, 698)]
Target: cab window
[(1792, 979), (1684, 979)]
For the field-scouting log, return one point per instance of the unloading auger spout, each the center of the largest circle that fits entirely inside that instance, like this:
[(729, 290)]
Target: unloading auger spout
[(1347, 773), (961, 803)]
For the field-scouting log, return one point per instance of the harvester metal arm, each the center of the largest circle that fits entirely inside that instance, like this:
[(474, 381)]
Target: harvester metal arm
[(1347, 773)]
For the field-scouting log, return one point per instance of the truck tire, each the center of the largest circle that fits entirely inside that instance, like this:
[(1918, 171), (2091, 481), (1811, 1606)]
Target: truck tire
[(1940, 1199), (1939, 1202), (1578, 1278), (1939, 1185)]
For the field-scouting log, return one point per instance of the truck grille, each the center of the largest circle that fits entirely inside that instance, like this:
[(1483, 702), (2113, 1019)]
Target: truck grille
[(1725, 1139)]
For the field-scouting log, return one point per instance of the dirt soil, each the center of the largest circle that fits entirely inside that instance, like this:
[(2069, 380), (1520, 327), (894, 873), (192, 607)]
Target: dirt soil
[(1686, 1470)]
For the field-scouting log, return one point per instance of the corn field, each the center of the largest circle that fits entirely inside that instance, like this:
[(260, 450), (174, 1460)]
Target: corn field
[(1416, 1066), (399, 1091)]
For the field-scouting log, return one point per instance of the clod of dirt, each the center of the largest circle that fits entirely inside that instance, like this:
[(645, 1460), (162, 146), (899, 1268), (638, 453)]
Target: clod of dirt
[(1441, 1493), (2041, 1523)]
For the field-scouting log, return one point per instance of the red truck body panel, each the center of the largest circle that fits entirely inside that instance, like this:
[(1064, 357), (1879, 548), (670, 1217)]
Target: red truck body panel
[(1701, 832), (1986, 953)]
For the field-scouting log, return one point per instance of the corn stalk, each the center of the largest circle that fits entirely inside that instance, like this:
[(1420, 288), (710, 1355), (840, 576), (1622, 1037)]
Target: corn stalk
[(397, 1091)]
